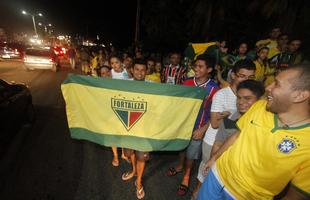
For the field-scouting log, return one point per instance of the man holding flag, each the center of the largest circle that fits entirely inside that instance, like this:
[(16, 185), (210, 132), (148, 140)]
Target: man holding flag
[(126, 114), (138, 158)]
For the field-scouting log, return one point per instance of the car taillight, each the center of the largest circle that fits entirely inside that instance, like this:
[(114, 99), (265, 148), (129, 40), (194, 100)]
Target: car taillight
[(51, 60)]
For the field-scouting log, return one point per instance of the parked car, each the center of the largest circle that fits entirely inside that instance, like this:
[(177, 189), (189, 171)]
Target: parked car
[(7, 52), (60, 51), (16, 109), (41, 58)]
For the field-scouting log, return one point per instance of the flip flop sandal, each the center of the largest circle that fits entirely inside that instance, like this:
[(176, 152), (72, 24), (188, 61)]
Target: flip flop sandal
[(172, 171), (182, 190), (139, 192), (127, 176)]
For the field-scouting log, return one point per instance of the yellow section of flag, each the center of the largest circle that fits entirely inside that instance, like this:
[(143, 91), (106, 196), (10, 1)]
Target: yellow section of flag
[(165, 117)]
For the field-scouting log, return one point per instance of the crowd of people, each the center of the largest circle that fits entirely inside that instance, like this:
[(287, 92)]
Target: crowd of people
[(251, 135)]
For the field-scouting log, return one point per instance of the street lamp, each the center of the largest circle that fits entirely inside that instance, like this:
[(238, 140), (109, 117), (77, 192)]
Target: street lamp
[(137, 31), (45, 26), (33, 19)]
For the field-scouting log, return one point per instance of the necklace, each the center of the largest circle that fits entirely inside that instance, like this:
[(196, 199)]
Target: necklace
[(287, 126)]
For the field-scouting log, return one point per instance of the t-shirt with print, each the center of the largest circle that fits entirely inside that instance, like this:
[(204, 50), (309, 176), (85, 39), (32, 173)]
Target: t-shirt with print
[(173, 74)]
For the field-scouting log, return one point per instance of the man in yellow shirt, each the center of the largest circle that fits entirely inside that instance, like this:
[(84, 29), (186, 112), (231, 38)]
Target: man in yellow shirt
[(261, 63), (271, 148), (271, 42)]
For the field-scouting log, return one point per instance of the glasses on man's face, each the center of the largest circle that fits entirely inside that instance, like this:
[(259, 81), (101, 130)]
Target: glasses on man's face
[(243, 76), (200, 66)]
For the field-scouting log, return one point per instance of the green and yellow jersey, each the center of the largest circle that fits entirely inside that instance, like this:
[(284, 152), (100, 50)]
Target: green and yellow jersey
[(265, 157), (260, 71), (271, 44)]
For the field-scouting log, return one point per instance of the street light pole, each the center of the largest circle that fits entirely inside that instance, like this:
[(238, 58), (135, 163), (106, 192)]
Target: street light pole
[(33, 20), (137, 23), (45, 26), (34, 24)]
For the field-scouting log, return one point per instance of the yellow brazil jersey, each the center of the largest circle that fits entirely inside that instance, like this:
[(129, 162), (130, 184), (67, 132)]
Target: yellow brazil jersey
[(260, 71), (265, 157), (94, 62), (269, 75), (155, 77), (271, 44)]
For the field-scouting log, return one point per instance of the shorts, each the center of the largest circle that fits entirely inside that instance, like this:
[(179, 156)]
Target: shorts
[(140, 155), (213, 189), (206, 154), (193, 151)]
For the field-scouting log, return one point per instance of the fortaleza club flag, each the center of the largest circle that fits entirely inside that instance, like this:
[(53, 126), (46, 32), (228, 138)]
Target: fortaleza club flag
[(133, 114)]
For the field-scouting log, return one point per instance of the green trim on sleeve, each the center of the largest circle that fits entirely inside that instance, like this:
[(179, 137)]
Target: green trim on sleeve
[(238, 127), (307, 194)]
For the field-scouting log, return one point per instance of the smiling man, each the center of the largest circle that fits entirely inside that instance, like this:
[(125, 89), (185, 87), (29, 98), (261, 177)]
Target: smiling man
[(223, 104), (138, 158), (248, 92), (203, 67), (271, 148)]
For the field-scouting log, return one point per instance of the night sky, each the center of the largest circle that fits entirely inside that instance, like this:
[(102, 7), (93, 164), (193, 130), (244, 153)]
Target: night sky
[(112, 20), (165, 24)]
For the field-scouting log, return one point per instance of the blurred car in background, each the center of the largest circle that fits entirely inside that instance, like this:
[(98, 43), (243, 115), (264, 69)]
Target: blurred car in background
[(60, 51), (16, 109), (7, 52), (41, 58)]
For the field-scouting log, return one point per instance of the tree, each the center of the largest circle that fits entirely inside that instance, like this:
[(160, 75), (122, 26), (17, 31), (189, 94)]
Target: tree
[(175, 23)]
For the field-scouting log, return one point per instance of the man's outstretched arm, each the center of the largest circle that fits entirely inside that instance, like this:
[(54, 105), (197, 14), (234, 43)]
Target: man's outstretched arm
[(230, 141)]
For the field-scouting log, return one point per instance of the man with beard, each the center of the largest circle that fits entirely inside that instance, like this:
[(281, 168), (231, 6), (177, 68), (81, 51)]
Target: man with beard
[(271, 148)]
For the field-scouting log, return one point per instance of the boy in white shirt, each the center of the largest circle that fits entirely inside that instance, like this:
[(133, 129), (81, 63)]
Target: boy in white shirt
[(223, 105)]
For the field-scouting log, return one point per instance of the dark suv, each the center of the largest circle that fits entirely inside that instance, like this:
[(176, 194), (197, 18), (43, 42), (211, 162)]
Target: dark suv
[(16, 109)]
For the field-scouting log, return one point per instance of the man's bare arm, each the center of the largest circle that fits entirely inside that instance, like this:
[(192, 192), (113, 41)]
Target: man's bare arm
[(198, 134), (230, 141)]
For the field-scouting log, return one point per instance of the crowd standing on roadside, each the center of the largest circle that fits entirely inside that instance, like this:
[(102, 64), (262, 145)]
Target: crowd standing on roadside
[(252, 133)]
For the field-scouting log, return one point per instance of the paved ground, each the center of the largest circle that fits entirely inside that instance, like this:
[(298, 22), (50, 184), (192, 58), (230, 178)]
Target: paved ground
[(44, 163)]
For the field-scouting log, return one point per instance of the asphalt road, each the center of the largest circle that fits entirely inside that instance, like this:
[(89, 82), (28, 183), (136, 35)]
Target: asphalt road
[(44, 163)]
